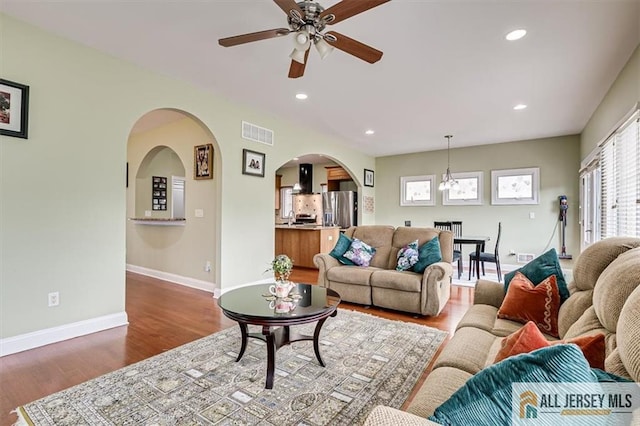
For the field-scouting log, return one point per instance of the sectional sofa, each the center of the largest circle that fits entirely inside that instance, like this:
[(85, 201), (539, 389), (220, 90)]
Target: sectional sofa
[(604, 298)]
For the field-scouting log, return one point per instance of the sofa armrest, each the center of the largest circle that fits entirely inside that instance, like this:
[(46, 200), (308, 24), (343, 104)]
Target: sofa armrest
[(436, 287), (324, 262), (488, 293), (387, 416)]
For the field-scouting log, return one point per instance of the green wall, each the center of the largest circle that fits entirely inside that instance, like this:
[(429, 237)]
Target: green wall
[(558, 160), (623, 95), (63, 211)]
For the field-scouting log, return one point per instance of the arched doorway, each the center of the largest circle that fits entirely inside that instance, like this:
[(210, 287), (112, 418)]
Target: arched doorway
[(172, 212)]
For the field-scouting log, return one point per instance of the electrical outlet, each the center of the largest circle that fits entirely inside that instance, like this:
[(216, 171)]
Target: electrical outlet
[(54, 299), (207, 266)]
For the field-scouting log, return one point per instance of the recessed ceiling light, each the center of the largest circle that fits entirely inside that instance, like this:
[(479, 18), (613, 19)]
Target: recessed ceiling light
[(369, 132), (295, 158), (516, 35), (519, 107), (301, 96)]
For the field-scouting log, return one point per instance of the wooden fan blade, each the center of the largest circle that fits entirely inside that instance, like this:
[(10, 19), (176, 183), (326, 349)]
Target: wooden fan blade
[(288, 5), (348, 8), (248, 38), (354, 47), (297, 69)]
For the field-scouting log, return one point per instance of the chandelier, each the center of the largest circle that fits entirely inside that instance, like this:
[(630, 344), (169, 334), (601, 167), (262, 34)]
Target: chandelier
[(448, 182)]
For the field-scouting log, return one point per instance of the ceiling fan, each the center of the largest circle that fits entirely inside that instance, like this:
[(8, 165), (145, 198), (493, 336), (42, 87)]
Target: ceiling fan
[(307, 19)]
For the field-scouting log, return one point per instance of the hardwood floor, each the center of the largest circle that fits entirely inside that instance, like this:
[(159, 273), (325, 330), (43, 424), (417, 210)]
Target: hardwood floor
[(162, 316)]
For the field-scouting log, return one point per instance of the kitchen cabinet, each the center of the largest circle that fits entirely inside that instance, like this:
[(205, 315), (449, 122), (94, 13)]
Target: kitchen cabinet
[(301, 243), (278, 185), (335, 175)]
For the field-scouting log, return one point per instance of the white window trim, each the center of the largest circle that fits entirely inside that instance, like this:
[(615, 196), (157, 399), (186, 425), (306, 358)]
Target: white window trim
[(404, 180), (534, 172), (477, 201)]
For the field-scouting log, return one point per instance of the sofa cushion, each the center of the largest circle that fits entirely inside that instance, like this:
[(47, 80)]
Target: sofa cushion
[(526, 302), (486, 397), (351, 274), (397, 280), (615, 284), (377, 236), (428, 254), (360, 253), (467, 351), (407, 256), (403, 235), (628, 332), (529, 338), (439, 385), (341, 248)]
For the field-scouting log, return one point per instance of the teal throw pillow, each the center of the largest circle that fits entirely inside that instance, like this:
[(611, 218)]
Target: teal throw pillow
[(485, 399), (360, 252), (341, 247), (407, 256), (605, 377), (539, 269), (428, 254)]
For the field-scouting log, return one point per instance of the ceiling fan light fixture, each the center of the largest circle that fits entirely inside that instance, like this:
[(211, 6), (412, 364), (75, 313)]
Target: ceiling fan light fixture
[(323, 48), (298, 55)]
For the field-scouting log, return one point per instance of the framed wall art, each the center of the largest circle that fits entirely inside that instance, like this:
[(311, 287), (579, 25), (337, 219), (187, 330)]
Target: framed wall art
[(14, 109), (515, 186), (253, 163), (368, 177), (417, 190), (203, 162)]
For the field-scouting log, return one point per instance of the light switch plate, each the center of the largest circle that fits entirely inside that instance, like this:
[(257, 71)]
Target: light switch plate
[(199, 213)]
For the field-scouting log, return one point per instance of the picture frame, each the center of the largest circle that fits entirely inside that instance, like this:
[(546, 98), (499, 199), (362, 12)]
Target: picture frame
[(203, 162), (253, 163), (14, 109), (368, 177), (469, 191), (417, 190), (515, 186)]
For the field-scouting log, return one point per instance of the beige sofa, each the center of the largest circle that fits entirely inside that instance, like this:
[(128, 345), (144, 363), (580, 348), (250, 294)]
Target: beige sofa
[(605, 297), (380, 284)]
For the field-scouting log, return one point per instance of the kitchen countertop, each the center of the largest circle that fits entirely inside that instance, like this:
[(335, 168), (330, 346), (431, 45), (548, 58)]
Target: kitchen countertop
[(310, 227)]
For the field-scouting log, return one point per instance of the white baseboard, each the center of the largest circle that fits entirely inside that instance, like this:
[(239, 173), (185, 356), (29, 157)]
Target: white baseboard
[(174, 278), (23, 342)]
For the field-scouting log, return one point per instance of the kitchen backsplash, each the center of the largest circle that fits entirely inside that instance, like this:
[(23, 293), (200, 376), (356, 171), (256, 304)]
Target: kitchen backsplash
[(310, 204)]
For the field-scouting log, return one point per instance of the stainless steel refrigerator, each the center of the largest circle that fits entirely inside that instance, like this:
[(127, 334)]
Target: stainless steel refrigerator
[(340, 208)]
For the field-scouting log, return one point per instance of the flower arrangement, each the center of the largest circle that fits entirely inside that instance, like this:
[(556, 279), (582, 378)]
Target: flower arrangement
[(281, 266)]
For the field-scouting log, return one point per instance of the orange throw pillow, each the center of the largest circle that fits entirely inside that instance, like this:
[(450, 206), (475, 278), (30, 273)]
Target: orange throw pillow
[(526, 302), (526, 339), (529, 338), (593, 348)]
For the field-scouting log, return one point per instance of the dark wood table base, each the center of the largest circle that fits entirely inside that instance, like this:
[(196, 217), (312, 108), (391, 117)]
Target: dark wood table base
[(277, 337)]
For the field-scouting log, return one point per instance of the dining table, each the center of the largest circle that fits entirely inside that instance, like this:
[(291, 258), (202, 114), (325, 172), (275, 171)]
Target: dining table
[(478, 241)]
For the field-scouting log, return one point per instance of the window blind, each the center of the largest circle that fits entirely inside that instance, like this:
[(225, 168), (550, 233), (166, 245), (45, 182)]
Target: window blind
[(620, 181)]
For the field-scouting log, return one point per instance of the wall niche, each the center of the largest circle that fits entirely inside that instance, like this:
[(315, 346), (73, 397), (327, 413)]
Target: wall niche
[(160, 185)]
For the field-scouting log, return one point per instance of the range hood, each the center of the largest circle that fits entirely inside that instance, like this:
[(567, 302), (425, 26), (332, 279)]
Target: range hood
[(305, 178)]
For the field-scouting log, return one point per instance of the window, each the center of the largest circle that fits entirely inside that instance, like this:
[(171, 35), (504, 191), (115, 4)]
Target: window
[(468, 193), (286, 201), (515, 186), (417, 191), (620, 181)]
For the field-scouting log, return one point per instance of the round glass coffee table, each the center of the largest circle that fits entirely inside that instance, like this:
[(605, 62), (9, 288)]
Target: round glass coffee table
[(254, 305)]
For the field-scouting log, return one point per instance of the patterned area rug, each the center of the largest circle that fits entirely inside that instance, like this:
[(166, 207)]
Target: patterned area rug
[(369, 360)]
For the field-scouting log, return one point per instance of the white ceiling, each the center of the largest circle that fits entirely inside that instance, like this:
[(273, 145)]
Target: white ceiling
[(446, 66)]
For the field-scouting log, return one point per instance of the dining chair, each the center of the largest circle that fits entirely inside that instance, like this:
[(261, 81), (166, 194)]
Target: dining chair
[(456, 228), (488, 257)]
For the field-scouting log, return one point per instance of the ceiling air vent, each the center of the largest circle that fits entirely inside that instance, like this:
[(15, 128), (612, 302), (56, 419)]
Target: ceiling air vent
[(257, 133)]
